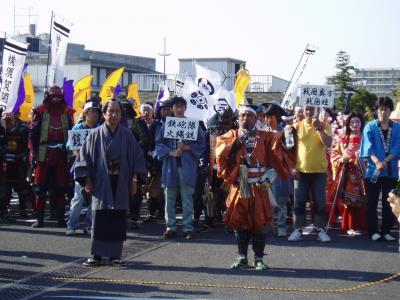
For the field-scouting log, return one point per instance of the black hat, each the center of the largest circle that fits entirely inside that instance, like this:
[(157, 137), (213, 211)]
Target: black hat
[(166, 103), (274, 110), (178, 99)]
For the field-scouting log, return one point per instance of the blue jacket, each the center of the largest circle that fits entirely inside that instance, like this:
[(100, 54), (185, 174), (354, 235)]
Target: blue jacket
[(371, 144), (189, 159)]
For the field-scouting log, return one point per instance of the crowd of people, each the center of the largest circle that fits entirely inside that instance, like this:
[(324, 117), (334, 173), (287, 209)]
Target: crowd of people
[(246, 168)]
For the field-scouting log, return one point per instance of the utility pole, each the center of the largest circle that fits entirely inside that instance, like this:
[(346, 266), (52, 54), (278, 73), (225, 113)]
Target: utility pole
[(164, 54)]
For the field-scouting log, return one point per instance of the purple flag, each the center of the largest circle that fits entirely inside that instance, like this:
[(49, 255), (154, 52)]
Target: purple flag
[(21, 95), (117, 90), (68, 89)]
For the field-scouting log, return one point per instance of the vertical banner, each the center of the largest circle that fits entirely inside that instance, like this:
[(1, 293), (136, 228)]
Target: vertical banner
[(291, 93), (27, 106), (60, 30), (14, 55), (133, 93)]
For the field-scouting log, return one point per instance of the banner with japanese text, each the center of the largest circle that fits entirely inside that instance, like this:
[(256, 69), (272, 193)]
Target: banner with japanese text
[(322, 96), (14, 55), (181, 128), (76, 138), (60, 31)]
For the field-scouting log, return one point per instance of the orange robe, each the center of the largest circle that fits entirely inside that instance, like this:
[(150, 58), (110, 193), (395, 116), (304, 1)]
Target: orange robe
[(253, 213)]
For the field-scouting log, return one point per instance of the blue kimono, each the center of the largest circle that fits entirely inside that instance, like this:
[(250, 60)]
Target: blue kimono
[(371, 144)]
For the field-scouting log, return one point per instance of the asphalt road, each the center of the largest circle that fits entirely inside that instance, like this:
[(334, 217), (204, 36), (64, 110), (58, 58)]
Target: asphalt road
[(46, 264)]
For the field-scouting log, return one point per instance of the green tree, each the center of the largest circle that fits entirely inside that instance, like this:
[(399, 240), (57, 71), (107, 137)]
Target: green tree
[(342, 80), (396, 92), (363, 102)]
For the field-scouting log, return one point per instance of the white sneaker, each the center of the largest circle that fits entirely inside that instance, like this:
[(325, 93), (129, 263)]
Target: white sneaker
[(389, 237), (323, 236), (295, 236), (376, 236), (70, 231)]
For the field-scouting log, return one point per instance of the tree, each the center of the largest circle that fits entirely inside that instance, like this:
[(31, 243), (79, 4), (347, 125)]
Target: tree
[(396, 92), (343, 80), (363, 102)]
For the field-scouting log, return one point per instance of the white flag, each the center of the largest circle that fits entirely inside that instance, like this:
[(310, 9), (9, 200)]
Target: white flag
[(221, 100), (208, 81), (14, 55), (60, 30)]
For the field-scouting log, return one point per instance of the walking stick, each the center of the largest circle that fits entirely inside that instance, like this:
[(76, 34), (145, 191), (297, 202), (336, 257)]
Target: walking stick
[(338, 190)]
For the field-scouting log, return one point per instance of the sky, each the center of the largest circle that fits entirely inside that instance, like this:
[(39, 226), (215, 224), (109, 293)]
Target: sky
[(270, 35)]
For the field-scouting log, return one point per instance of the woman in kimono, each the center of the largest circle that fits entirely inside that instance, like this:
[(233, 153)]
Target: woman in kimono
[(348, 187), (107, 166)]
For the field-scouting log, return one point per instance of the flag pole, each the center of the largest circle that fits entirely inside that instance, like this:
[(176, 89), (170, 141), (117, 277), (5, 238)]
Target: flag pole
[(48, 52), (301, 58)]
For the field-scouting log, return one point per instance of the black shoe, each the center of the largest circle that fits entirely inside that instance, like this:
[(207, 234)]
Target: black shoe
[(149, 219), (116, 262), (188, 235), (38, 224), (92, 263), (23, 214), (169, 233), (134, 225)]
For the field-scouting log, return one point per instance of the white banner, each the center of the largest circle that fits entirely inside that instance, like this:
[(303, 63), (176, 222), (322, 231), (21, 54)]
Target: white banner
[(14, 55), (181, 128), (76, 138), (60, 30), (200, 94), (317, 95), (291, 93)]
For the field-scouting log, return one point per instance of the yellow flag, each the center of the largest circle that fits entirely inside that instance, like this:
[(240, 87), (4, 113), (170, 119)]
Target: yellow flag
[(26, 107), (111, 82), (82, 91), (133, 93), (242, 81)]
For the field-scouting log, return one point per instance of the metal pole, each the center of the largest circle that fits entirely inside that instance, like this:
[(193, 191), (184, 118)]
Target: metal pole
[(301, 58), (48, 53), (14, 17), (164, 54)]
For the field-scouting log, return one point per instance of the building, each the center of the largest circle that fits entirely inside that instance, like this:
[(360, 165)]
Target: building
[(81, 62), (380, 81)]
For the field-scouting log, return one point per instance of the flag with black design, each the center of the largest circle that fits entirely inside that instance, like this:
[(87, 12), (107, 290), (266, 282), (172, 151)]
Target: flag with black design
[(14, 55), (60, 32)]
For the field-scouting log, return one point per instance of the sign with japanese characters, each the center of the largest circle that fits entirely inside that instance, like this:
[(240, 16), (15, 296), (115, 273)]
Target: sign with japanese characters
[(317, 95), (76, 138), (14, 55), (60, 31), (181, 128)]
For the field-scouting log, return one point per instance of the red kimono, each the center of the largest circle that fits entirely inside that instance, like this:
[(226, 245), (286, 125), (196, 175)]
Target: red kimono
[(252, 213), (349, 184)]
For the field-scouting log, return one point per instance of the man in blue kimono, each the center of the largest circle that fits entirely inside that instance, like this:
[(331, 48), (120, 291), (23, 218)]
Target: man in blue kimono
[(179, 171), (107, 166)]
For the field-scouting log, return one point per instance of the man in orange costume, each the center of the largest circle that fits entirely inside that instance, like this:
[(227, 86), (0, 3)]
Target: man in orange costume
[(243, 156)]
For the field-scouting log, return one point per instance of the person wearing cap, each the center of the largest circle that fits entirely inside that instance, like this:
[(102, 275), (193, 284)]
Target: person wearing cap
[(310, 174), (14, 167), (298, 114), (243, 156), (49, 136), (90, 119), (179, 170)]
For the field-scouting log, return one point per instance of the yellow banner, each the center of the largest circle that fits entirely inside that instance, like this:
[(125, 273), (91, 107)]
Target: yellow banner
[(106, 92), (133, 93), (27, 106), (242, 81), (82, 92)]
